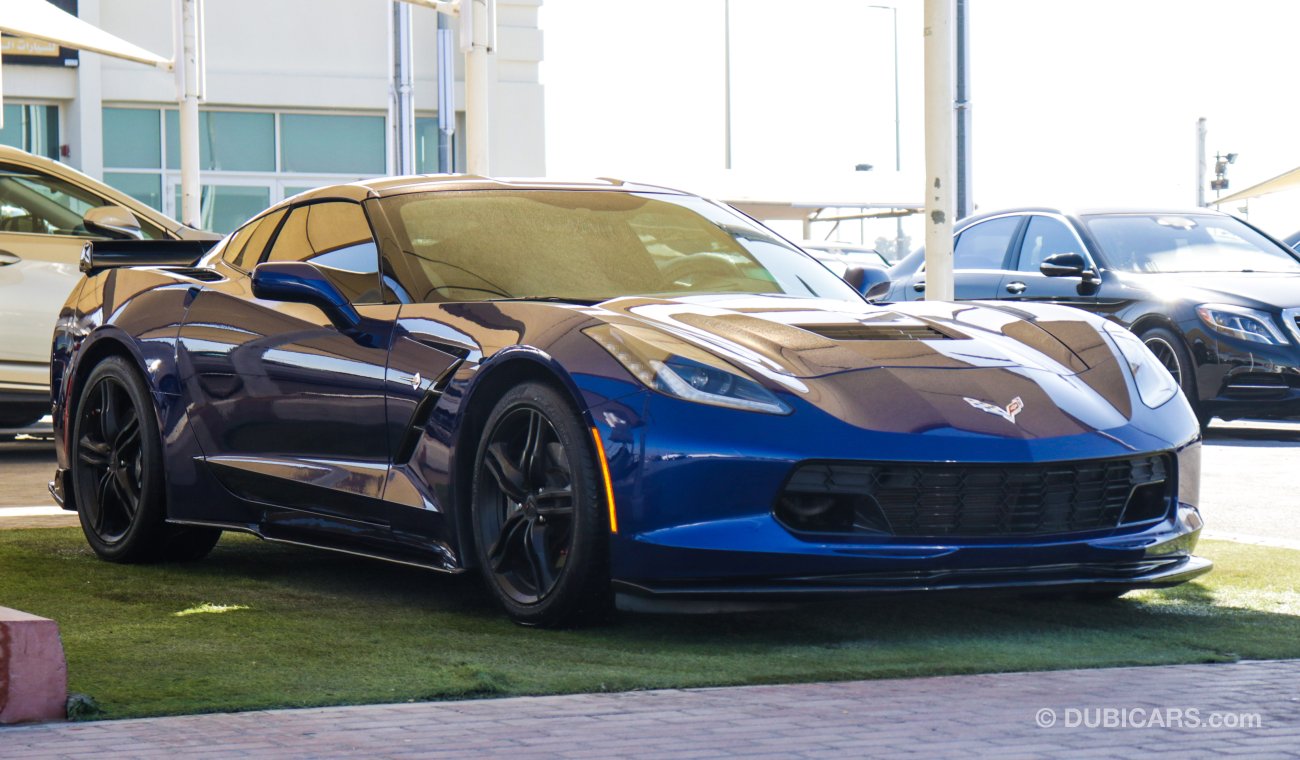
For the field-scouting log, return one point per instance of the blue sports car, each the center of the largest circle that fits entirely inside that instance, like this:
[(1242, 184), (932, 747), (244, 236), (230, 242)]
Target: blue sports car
[(604, 393)]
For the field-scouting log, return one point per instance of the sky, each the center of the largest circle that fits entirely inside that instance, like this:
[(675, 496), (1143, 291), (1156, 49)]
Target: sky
[(1073, 103)]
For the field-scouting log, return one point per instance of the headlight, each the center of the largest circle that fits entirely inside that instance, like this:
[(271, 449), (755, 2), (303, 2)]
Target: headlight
[(1242, 323), (679, 369), (1154, 383)]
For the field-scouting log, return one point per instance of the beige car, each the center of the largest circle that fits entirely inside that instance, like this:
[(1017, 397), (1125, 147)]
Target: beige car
[(47, 212)]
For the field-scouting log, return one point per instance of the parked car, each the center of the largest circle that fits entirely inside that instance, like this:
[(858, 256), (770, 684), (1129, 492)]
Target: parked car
[(1292, 240), (1216, 300), (47, 213), (840, 257), (606, 392)]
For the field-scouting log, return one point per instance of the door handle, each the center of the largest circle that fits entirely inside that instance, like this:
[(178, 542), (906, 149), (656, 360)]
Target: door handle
[(919, 287), (1015, 288), (7, 258)]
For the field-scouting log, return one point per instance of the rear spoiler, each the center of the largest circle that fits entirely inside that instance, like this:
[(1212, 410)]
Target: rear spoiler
[(98, 255)]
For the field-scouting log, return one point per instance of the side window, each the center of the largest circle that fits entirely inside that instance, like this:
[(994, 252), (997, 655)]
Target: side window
[(985, 245), (336, 238), (248, 243), (33, 202), (1044, 237)]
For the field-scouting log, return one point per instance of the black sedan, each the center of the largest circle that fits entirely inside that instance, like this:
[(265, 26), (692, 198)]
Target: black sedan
[(1216, 300)]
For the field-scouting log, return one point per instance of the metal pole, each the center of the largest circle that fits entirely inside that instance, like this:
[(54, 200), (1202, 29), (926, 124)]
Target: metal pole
[(898, 142), (965, 204), (190, 81), (1200, 162), (938, 149), (726, 69), (403, 91), (446, 96), (478, 39)]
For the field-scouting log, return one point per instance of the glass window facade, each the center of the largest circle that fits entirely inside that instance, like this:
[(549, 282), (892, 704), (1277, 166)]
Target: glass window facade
[(329, 144), (132, 138), (234, 141), (33, 128), (248, 159)]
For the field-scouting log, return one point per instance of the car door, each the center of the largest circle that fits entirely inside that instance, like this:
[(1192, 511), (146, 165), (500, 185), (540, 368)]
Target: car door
[(288, 410), (979, 259), (40, 245), (1046, 236)]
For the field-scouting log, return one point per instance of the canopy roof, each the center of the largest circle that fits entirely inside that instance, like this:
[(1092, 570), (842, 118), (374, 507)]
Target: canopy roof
[(1284, 181), (43, 21)]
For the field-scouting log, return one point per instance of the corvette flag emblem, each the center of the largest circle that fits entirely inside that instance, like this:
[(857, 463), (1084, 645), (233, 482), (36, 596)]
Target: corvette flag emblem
[(1008, 414)]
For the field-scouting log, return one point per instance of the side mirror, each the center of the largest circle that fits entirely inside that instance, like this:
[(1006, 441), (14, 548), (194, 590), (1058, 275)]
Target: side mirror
[(871, 282), (1064, 265), (299, 282), (112, 222)]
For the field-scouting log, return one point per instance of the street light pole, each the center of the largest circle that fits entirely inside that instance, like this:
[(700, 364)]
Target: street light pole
[(898, 143), (726, 70)]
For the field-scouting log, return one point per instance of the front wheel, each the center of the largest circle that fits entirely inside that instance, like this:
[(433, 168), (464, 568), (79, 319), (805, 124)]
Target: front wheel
[(1174, 357), (118, 476), (540, 531)]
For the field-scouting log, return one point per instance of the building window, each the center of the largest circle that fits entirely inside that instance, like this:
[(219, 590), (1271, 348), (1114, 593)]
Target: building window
[(33, 128), (248, 159), (326, 144), (234, 141)]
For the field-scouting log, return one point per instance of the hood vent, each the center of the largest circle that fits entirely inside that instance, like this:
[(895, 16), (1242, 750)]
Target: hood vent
[(862, 331)]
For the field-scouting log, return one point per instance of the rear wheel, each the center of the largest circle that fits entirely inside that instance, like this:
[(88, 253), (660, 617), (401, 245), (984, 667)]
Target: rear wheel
[(540, 531), (1173, 356), (117, 473)]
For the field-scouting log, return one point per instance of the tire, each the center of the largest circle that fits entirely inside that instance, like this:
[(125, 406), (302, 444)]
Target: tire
[(1172, 353), (117, 473), (541, 533)]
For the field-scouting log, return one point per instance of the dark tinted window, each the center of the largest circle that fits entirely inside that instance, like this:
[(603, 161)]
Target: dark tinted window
[(1045, 237), (593, 245), (248, 244), (336, 238), (984, 246), (1186, 243)]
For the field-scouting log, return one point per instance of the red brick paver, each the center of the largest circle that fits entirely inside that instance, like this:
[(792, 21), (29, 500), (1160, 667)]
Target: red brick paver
[(954, 716)]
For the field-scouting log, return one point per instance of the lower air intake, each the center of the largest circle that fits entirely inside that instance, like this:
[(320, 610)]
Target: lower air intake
[(976, 500)]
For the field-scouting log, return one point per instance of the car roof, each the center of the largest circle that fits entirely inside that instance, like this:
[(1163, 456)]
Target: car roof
[(382, 187), (1087, 211)]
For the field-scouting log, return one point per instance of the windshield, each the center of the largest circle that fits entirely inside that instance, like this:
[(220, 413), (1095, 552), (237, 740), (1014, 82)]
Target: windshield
[(592, 246), (1186, 243)]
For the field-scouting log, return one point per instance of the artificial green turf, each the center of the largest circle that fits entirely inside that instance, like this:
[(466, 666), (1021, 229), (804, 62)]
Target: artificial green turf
[(259, 625)]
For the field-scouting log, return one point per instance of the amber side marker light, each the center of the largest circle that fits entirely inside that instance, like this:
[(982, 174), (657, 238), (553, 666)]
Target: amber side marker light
[(609, 484)]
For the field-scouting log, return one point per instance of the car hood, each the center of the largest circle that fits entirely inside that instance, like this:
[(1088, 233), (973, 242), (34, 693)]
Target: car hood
[(808, 338), (923, 366), (1260, 290)]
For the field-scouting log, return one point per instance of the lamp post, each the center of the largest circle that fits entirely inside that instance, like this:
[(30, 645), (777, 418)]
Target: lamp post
[(898, 145)]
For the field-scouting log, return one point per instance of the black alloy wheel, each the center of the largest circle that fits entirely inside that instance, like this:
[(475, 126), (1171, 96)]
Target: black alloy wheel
[(117, 473), (1172, 354), (539, 526)]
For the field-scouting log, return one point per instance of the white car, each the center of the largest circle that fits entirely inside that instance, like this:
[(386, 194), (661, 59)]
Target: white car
[(47, 213)]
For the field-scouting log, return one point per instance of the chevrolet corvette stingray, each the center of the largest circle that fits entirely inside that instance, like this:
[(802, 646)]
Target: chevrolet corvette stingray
[(603, 393)]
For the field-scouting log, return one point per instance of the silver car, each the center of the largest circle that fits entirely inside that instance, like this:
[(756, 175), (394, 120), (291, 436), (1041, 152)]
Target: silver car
[(47, 212)]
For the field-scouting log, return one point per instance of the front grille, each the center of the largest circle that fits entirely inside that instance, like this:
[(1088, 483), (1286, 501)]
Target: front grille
[(862, 331), (975, 500)]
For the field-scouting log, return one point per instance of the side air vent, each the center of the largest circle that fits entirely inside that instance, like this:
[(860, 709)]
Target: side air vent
[(196, 273), (863, 331)]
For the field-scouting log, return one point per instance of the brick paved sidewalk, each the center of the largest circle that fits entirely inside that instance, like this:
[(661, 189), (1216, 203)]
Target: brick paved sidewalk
[(948, 717)]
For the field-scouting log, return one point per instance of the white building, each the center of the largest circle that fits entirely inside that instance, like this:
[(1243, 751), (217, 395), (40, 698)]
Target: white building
[(298, 95)]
